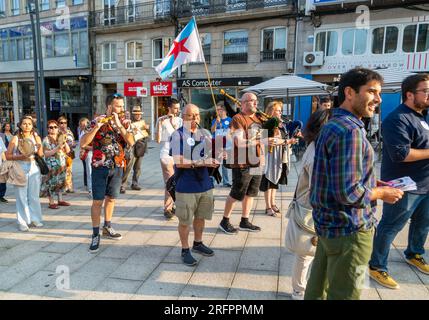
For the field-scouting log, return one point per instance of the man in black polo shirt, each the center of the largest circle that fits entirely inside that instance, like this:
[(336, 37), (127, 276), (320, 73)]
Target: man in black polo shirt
[(405, 153)]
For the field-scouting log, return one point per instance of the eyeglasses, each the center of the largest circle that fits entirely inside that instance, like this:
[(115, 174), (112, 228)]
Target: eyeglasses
[(425, 91), (53, 127), (63, 122)]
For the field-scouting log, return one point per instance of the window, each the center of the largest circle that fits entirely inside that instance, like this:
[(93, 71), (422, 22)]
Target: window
[(14, 7), (409, 38), (109, 56), (416, 41), (80, 47), (384, 40), (327, 42), (235, 46), (28, 48), (131, 10), (44, 5), (77, 2), (134, 55), (61, 3), (61, 45), (48, 46), (273, 44), (354, 42), (206, 41), (160, 48), (4, 50), (2, 7), (423, 38), (109, 12)]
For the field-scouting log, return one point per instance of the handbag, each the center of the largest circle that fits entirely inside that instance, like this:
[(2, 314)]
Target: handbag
[(140, 148), (41, 163), (300, 235)]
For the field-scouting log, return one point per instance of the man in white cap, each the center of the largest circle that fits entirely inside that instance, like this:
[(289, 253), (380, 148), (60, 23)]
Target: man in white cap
[(135, 155)]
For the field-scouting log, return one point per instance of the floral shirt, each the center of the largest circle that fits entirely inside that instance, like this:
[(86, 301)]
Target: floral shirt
[(108, 147)]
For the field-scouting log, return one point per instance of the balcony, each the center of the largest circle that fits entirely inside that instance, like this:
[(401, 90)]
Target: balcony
[(188, 8), (273, 55), (131, 14), (231, 58)]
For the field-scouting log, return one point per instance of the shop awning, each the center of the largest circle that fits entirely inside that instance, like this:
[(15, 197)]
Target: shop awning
[(289, 86)]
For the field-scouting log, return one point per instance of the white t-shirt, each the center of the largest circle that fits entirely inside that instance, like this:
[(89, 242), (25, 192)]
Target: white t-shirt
[(166, 131)]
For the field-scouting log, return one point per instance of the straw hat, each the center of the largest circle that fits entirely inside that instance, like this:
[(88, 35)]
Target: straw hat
[(137, 110), (26, 147)]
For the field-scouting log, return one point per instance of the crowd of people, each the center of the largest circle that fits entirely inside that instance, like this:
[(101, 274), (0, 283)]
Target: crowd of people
[(332, 229)]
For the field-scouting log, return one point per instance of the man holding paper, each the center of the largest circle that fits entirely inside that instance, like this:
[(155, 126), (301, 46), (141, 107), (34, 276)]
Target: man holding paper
[(406, 156)]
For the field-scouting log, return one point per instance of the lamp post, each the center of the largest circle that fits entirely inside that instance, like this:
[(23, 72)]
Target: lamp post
[(39, 80)]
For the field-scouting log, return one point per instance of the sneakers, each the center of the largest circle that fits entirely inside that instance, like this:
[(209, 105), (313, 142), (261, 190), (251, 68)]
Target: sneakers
[(2, 199), (203, 249), (135, 188), (188, 259), (383, 278), (227, 227), (418, 262), (297, 295), (122, 190), (110, 233), (23, 227), (36, 225), (95, 243), (247, 226), (168, 214)]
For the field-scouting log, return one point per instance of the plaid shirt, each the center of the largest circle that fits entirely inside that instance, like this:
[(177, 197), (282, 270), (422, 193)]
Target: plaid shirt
[(343, 177)]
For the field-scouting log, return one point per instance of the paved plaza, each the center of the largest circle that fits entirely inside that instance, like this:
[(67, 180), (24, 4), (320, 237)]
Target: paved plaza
[(146, 263)]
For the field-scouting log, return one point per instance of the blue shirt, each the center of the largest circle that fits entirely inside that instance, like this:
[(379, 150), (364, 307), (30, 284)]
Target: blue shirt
[(192, 147), (222, 127), (343, 176), (402, 130)]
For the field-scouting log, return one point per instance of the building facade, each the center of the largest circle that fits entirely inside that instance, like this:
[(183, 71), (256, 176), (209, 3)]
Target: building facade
[(65, 49), (245, 42)]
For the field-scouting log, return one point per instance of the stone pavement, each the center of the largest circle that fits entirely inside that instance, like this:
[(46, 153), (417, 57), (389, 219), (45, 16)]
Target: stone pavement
[(146, 263)]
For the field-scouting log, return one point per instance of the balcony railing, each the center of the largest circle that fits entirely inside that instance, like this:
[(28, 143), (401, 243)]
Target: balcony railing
[(230, 58), (273, 55), (189, 8), (123, 15)]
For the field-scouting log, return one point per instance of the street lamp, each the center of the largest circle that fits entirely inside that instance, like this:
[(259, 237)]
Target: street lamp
[(39, 78)]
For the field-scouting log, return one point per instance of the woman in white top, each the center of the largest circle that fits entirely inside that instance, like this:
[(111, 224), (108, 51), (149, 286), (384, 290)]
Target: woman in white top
[(29, 211), (302, 196)]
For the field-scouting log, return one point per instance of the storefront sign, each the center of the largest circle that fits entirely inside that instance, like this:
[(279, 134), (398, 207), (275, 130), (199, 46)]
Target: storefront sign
[(130, 88), (221, 82), (161, 88), (141, 92)]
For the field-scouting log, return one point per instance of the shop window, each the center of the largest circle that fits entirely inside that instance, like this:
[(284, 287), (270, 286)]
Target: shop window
[(327, 42), (44, 5), (61, 45), (14, 7), (354, 42), (273, 44), (235, 46), (384, 40), (109, 56), (134, 55), (160, 48)]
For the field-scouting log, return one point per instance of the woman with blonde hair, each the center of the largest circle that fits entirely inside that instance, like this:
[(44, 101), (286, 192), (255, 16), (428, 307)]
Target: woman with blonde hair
[(22, 148), (55, 151), (276, 169)]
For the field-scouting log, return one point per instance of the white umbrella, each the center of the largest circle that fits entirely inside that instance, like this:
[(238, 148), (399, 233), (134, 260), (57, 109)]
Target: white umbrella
[(288, 86)]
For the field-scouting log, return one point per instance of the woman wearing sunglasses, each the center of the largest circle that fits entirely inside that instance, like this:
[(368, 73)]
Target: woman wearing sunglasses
[(62, 127), (55, 151)]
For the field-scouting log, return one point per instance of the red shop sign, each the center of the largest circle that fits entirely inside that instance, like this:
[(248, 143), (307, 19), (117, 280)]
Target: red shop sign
[(161, 88), (130, 88)]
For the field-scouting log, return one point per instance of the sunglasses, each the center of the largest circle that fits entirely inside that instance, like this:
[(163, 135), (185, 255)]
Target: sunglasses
[(117, 95), (53, 127)]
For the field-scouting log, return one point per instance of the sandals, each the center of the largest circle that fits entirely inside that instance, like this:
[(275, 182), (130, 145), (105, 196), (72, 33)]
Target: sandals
[(63, 203), (53, 206), (270, 212), (275, 209)]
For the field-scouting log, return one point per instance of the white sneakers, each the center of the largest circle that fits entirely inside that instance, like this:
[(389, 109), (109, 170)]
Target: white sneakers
[(23, 227), (36, 224), (297, 295)]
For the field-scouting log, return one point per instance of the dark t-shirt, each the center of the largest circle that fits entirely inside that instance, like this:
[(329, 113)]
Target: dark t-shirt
[(402, 130), (248, 126), (191, 146)]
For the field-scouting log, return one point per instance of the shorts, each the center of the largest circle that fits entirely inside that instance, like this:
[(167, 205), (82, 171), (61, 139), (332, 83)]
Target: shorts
[(244, 184), (106, 182), (194, 205)]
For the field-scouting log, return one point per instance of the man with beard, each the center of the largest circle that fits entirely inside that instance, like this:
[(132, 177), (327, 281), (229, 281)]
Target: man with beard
[(344, 191), (405, 153)]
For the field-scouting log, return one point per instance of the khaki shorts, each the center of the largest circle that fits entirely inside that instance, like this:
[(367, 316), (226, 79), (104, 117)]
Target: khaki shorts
[(194, 205)]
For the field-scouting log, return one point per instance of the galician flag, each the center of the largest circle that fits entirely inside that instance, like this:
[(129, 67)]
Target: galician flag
[(186, 48)]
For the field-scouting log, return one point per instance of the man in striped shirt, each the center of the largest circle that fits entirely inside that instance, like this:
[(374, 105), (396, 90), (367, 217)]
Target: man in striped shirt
[(344, 191)]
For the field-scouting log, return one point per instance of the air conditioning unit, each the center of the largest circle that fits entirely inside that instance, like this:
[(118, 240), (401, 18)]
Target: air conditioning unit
[(313, 59)]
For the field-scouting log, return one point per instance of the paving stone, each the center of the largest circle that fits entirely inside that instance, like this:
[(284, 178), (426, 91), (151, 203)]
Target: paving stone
[(20, 252), (261, 254), (199, 292), (115, 289), (74, 259), (34, 287), (254, 285)]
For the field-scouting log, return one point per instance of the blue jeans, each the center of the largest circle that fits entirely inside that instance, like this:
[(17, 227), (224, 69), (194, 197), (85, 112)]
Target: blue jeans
[(225, 176), (2, 189), (395, 217)]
